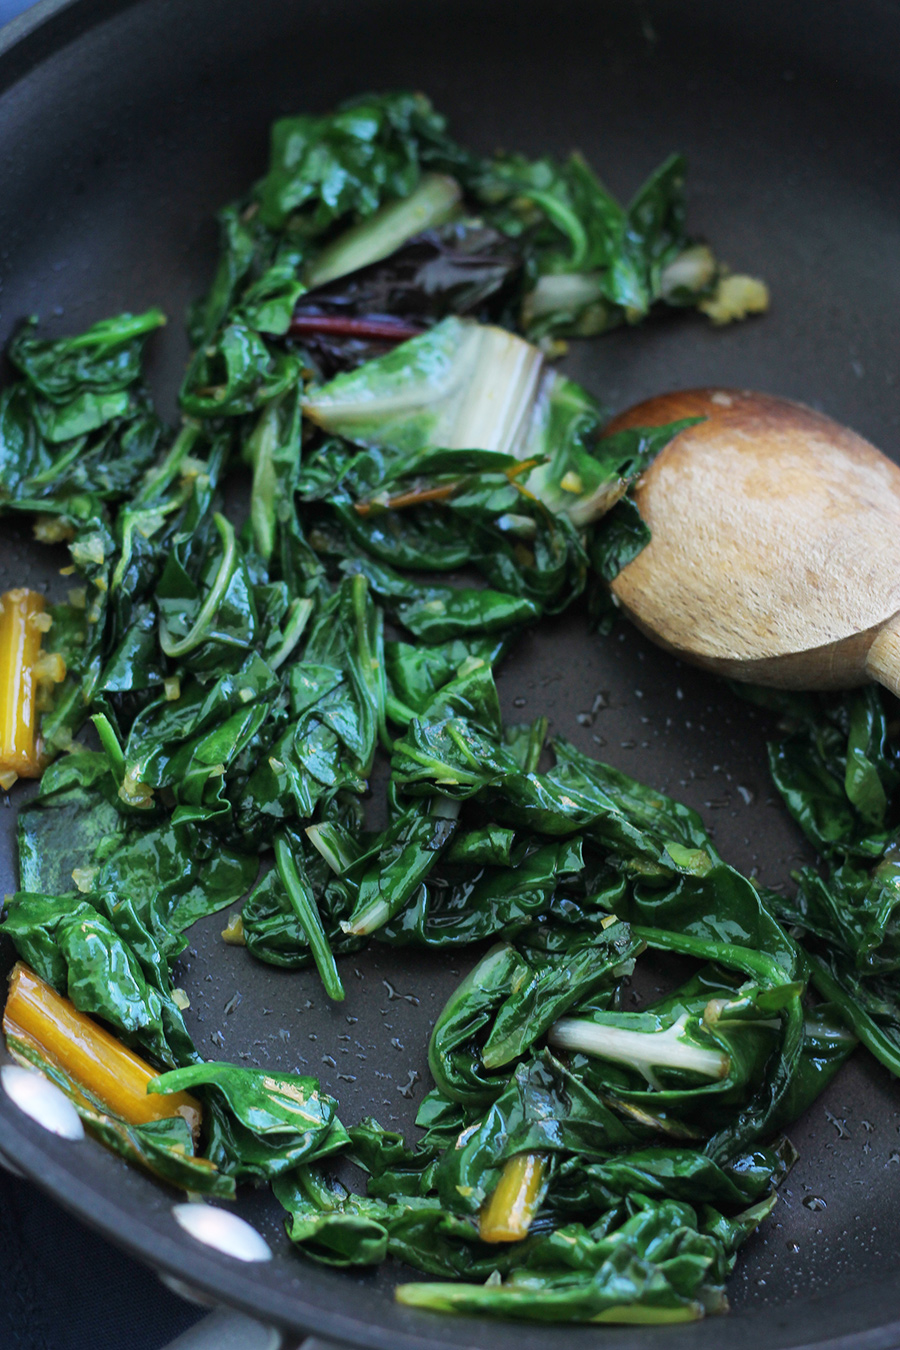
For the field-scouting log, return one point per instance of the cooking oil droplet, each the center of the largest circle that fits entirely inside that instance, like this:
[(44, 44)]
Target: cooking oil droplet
[(393, 993), (407, 1088), (814, 1202)]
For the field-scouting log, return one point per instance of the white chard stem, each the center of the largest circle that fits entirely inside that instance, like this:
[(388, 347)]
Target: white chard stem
[(642, 1050)]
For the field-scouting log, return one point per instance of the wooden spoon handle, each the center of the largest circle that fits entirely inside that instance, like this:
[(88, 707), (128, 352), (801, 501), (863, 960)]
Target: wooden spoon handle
[(883, 659)]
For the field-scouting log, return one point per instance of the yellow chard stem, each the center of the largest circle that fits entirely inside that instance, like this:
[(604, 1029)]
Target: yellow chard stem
[(88, 1053), (22, 625), (508, 1212)]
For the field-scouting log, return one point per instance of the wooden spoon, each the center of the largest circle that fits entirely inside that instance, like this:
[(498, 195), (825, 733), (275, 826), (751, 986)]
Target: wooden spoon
[(775, 554)]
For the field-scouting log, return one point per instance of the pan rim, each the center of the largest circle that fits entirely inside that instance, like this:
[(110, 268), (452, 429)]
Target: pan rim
[(44, 29), (210, 1273), (60, 22)]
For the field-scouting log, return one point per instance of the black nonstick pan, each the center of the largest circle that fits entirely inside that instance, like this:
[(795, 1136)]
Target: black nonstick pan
[(122, 128)]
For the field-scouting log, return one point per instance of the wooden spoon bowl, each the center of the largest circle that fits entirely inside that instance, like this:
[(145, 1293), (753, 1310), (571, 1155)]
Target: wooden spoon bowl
[(775, 551)]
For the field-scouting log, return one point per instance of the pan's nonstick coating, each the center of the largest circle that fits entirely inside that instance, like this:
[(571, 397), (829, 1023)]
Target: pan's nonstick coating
[(122, 128)]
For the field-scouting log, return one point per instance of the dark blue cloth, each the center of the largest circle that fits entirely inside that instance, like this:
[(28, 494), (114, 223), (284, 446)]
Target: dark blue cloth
[(63, 1287), (10, 8)]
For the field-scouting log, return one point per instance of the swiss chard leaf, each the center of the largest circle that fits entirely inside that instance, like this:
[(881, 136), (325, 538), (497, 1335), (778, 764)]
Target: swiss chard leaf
[(346, 164), (260, 1124)]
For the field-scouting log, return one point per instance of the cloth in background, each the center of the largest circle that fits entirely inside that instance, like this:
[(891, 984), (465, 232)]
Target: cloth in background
[(10, 8), (63, 1287)]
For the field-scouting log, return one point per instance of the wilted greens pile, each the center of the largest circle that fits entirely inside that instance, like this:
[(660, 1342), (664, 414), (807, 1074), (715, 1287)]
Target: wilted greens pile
[(424, 485)]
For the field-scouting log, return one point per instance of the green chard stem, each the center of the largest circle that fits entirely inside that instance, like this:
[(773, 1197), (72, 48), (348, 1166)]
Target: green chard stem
[(124, 328), (212, 601), (535, 744), (371, 661), (432, 203), (383, 895), (110, 742), (307, 913), (158, 479), (259, 451), (334, 845), (398, 711), (298, 618), (567, 222), (760, 965), (877, 1039)]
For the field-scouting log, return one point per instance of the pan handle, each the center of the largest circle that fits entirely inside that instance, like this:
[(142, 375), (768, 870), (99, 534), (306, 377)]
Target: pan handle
[(226, 1329)]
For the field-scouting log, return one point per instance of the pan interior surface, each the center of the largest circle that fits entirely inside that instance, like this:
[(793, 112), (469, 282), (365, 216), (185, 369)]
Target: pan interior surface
[(122, 129)]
